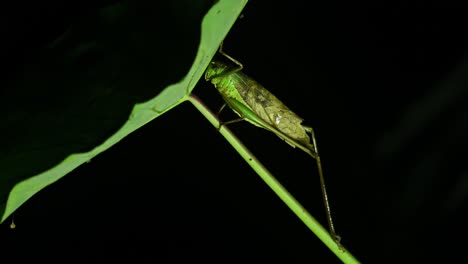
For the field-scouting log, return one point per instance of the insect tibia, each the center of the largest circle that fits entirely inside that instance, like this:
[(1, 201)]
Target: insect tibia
[(239, 65)]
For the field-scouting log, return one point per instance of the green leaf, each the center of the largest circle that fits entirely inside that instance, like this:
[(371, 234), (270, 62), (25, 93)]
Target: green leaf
[(77, 97)]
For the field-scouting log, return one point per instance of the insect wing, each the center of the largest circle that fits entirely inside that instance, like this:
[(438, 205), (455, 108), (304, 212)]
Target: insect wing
[(245, 112), (269, 108)]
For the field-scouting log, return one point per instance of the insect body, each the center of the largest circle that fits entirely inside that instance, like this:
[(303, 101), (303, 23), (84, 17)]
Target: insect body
[(255, 104)]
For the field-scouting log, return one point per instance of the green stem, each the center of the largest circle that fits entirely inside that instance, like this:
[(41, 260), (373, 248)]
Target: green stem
[(282, 193)]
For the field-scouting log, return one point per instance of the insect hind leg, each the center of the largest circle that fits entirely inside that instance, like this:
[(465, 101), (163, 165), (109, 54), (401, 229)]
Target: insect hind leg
[(331, 226), (310, 130)]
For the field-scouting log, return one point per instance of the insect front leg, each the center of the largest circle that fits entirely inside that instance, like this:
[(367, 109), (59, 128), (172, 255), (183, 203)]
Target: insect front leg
[(231, 70), (240, 66)]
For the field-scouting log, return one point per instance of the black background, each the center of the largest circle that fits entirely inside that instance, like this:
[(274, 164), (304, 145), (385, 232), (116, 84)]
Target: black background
[(384, 87)]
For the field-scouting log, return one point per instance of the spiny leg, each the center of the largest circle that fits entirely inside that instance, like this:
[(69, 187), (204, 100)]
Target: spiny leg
[(331, 227), (230, 71), (228, 122), (240, 66), (232, 121)]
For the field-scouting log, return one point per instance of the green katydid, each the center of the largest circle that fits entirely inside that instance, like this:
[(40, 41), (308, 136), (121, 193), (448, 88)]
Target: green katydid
[(253, 103)]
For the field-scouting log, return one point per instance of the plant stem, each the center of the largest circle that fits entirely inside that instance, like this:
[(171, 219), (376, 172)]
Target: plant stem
[(271, 181)]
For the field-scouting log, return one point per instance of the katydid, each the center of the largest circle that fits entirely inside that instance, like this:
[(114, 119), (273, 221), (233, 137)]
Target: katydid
[(256, 105)]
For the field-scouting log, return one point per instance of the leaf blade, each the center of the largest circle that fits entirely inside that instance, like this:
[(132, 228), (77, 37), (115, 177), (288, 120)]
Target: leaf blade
[(215, 26)]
